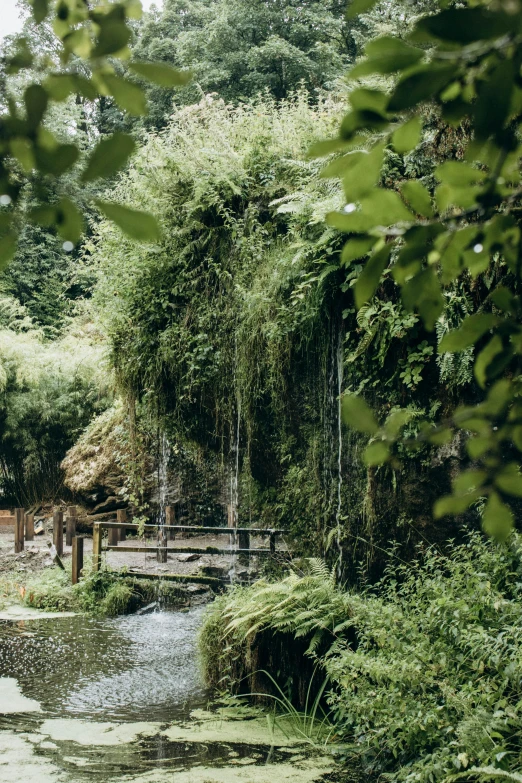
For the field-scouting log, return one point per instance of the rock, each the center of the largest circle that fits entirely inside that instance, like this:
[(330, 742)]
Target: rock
[(111, 504), (214, 571), (189, 557)]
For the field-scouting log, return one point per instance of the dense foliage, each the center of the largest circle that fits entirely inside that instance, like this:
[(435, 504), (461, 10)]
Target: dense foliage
[(49, 391), (76, 56), (431, 235), (424, 669), (241, 49)]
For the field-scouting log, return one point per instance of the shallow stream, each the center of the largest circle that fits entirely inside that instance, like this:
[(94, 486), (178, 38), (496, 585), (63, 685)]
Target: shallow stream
[(121, 700)]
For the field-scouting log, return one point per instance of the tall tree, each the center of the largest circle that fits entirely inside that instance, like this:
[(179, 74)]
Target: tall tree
[(240, 48)]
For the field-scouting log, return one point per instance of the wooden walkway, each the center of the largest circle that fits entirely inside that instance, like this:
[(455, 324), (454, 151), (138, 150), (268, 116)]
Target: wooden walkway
[(117, 543)]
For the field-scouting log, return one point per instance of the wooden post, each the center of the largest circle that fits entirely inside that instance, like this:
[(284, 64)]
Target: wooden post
[(29, 527), (58, 532), (244, 543), (19, 529), (170, 519), (96, 547), (114, 536), (77, 559), (70, 527), (272, 543), (121, 516)]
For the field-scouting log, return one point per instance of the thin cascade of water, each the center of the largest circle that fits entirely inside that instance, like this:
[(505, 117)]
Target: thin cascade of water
[(333, 439), (340, 375), (234, 496), (163, 464)]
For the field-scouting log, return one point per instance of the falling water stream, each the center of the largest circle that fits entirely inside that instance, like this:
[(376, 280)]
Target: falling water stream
[(333, 439), (234, 496), (340, 374), (163, 464)]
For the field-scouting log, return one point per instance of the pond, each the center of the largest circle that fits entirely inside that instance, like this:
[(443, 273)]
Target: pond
[(121, 699)]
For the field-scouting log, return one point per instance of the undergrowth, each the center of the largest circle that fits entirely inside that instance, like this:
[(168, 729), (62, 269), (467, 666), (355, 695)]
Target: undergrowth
[(97, 594), (424, 669)]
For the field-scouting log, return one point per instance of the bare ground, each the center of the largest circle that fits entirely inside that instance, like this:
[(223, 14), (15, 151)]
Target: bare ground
[(35, 556)]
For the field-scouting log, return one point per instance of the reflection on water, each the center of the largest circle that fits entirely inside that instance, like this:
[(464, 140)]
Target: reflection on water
[(131, 668)]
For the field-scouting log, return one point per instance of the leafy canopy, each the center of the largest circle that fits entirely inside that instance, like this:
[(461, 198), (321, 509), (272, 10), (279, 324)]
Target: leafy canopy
[(90, 39), (467, 63)]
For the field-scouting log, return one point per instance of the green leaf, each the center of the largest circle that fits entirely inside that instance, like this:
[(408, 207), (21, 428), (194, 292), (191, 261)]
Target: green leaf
[(370, 276), (357, 7), (109, 156), (472, 329), (36, 100), (386, 55), (60, 85), (477, 447), (407, 136), (459, 174), (420, 85), (423, 292), (22, 150), (364, 99), (396, 421), (357, 414), (493, 349), (40, 10), (364, 175), (342, 165), (322, 148), (376, 453), (362, 119), (454, 504), (113, 37), (517, 437), (497, 519), (441, 437), (504, 300), (465, 25), (356, 248), (494, 100), (8, 246), (468, 481), (418, 197), (69, 221), (127, 95), (162, 74), (58, 160), (138, 225), (509, 480), (499, 396), (385, 208)]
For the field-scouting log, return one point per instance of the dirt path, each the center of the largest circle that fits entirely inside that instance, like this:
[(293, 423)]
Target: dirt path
[(35, 556)]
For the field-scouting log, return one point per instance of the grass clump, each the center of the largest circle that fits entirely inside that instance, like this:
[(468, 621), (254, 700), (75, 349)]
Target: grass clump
[(425, 669)]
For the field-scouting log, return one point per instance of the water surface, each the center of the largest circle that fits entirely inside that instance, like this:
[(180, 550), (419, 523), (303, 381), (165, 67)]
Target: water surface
[(121, 701)]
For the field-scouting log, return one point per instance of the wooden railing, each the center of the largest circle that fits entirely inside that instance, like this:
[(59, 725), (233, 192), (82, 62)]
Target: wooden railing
[(243, 537)]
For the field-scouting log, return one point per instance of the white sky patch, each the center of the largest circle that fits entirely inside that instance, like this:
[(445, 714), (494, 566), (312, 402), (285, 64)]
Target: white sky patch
[(10, 21)]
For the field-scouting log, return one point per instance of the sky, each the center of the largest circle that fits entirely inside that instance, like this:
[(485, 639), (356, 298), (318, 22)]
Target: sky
[(10, 23)]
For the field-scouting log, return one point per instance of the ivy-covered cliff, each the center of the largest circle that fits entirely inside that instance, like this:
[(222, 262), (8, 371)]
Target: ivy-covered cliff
[(236, 334)]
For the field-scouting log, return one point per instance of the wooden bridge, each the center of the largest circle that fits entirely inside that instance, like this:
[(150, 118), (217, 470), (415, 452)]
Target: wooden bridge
[(117, 542), (23, 524)]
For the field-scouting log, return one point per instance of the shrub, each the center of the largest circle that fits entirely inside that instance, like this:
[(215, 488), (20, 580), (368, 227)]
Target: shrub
[(425, 669)]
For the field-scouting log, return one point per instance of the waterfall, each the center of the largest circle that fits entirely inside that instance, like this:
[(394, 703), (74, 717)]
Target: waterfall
[(333, 438), (234, 493), (163, 465), (340, 373)]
